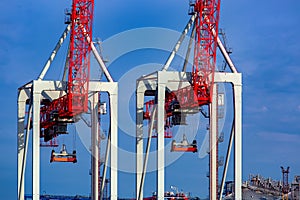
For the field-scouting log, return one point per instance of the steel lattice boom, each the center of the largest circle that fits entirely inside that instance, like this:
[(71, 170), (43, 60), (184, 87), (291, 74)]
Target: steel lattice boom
[(79, 68), (200, 92), (75, 101), (206, 23)]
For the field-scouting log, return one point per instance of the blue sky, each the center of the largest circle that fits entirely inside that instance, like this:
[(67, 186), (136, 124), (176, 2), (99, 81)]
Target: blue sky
[(264, 38)]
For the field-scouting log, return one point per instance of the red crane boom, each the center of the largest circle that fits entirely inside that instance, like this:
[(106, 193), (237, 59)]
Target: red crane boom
[(75, 102), (204, 63), (79, 64), (206, 24)]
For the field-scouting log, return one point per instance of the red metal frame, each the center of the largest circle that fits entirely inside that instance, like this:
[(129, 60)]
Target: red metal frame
[(76, 100), (147, 116), (72, 159), (184, 146), (51, 143), (185, 96), (206, 24), (79, 63), (63, 156), (63, 159), (205, 49), (149, 107), (184, 149)]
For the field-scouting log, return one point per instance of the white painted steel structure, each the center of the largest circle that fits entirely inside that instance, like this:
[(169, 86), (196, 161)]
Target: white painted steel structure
[(159, 81), (162, 79), (33, 93)]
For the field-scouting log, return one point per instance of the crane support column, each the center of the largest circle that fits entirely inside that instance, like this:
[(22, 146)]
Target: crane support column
[(112, 89), (237, 90), (36, 90), (95, 147), (236, 80), (113, 95), (141, 158), (161, 87), (21, 142), (213, 185), (21, 148), (139, 137)]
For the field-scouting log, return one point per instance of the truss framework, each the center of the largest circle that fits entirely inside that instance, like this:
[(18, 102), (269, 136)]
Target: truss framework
[(160, 80)]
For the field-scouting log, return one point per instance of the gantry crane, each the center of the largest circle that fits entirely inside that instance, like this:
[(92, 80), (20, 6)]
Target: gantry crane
[(191, 91), (55, 114), (45, 107)]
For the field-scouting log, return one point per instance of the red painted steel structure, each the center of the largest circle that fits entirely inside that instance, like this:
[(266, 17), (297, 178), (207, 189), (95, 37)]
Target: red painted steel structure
[(204, 64), (79, 64), (205, 49), (75, 101)]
